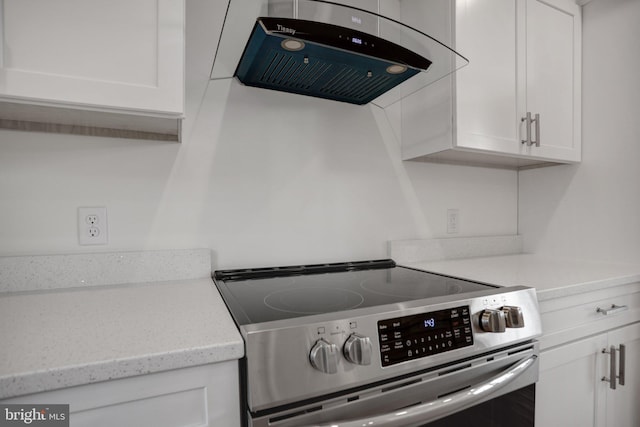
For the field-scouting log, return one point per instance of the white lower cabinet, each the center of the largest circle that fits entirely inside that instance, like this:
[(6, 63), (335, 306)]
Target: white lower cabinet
[(623, 403), (574, 389), (200, 396), (566, 393)]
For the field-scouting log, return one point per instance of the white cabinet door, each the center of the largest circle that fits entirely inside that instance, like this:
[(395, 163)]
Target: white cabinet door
[(487, 116), (623, 403), (553, 58), (114, 55), (569, 388), (204, 396)]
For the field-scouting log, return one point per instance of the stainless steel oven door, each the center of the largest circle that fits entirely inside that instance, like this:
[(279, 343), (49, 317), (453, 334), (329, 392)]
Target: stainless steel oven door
[(423, 398)]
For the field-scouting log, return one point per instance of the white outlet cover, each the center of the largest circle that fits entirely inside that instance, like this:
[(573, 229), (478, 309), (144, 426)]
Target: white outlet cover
[(92, 231)]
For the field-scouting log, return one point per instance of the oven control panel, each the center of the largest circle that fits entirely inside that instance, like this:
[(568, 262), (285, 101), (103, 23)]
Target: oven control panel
[(420, 335)]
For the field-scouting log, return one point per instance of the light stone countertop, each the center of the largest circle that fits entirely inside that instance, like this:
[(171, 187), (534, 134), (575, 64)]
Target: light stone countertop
[(66, 337), (54, 337), (552, 277)]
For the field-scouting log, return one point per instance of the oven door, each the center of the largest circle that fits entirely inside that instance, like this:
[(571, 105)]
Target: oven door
[(492, 390)]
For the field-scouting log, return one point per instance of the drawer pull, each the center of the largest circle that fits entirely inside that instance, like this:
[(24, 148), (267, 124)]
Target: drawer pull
[(614, 309)]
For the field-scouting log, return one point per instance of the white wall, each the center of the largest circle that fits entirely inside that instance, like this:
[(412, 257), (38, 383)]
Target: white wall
[(592, 210), (262, 178)]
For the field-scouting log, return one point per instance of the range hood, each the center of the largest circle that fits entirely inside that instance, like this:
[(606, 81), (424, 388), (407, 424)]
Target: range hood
[(328, 50)]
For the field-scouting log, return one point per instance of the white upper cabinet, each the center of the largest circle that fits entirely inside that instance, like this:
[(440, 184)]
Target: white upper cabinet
[(524, 61), (121, 58)]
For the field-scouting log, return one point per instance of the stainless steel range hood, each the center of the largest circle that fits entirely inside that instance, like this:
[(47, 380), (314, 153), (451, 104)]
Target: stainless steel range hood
[(328, 50)]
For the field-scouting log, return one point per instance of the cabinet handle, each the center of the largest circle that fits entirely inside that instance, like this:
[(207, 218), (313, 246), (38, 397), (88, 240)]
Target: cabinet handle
[(527, 119), (537, 141), (614, 309), (529, 141), (623, 357), (612, 367), (622, 350)]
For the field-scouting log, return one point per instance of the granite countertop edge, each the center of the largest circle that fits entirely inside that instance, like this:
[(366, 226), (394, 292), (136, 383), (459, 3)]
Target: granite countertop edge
[(214, 339), (580, 288), (27, 383)]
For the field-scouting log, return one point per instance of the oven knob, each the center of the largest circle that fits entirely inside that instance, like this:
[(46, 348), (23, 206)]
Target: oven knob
[(513, 316), (357, 349), (492, 321), (324, 357)]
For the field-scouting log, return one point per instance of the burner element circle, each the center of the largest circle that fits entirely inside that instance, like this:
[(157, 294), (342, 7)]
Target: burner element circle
[(406, 287), (313, 300)]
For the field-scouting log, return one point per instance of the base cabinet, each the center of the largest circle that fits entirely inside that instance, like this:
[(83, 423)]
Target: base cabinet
[(623, 403), (200, 396), (567, 390), (575, 387)]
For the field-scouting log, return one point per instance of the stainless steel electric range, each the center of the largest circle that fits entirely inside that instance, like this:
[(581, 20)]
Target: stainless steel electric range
[(373, 343)]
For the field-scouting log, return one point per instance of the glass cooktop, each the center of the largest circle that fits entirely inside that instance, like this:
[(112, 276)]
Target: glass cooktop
[(267, 294)]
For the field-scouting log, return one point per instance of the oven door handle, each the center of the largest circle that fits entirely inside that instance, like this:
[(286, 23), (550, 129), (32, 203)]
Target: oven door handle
[(439, 408)]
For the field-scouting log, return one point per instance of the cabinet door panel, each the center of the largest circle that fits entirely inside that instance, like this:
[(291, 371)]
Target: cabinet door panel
[(86, 47), (567, 391), (204, 396), (553, 86), (623, 408), (115, 55), (487, 111)]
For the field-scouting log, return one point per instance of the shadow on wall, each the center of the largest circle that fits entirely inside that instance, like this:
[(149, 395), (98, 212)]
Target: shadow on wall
[(302, 179), (551, 184), (592, 210)]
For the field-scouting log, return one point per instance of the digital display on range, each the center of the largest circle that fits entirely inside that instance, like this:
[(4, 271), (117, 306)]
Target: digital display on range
[(420, 335)]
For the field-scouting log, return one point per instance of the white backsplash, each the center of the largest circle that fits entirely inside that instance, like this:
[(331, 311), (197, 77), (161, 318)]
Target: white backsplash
[(45, 272), (428, 250)]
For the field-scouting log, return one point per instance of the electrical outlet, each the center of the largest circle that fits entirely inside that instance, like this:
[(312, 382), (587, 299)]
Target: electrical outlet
[(453, 221), (92, 226)]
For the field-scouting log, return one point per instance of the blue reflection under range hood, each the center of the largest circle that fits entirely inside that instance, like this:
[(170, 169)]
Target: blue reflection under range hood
[(324, 60)]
